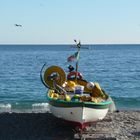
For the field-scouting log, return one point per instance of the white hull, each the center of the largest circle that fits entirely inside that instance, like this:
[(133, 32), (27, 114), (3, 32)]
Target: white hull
[(79, 114)]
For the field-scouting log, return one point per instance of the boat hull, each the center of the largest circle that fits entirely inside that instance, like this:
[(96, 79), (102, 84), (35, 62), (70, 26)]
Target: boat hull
[(79, 115)]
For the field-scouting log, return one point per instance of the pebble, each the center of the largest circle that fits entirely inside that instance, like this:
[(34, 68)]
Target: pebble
[(123, 125)]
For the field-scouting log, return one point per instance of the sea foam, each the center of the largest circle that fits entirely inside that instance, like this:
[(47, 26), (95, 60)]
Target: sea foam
[(40, 107), (5, 107)]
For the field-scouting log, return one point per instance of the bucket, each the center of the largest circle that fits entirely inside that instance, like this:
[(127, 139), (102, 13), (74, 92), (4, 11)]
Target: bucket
[(79, 90)]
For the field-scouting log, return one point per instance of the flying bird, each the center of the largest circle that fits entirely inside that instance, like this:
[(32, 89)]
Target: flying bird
[(18, 25)]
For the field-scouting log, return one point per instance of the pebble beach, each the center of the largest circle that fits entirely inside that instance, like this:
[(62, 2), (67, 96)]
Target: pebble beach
[(119, 125)]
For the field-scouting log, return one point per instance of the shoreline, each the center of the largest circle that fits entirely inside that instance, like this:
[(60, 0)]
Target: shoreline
[(122, 125)]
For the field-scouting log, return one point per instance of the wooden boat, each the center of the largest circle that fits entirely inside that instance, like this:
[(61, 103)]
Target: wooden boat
[(74, 99)]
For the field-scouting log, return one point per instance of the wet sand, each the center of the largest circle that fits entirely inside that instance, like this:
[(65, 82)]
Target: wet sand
[(122, 125)]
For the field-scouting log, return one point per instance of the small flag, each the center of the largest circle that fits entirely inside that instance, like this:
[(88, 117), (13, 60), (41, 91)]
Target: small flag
[(73, 57)]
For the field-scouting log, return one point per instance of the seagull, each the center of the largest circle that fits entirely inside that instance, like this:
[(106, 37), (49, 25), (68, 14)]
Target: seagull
[(18, 25)]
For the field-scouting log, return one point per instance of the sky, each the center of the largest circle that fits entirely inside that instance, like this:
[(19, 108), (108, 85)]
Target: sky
[(61, 21)]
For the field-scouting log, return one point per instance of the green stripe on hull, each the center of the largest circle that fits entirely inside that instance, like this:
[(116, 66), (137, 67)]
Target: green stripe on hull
[(62, 103)]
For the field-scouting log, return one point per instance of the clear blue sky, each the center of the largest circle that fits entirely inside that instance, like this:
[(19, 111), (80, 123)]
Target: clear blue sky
[(61, 21)]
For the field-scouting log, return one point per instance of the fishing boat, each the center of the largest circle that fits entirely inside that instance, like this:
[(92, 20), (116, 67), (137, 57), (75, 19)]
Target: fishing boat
[(73, 98)]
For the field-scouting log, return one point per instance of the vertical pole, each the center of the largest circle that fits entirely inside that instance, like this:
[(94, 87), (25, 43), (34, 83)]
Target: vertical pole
[(78, 46), (77, 60)]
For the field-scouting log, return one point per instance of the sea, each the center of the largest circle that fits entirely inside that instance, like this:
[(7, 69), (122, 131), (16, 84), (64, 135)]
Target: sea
[(116, 67)]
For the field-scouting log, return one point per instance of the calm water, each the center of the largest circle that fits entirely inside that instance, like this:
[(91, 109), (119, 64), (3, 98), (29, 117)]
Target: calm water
[(115, 67)]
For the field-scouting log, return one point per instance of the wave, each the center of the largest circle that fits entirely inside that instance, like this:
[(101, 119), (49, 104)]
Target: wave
[(5, 107), (40, 107), (22, 108)]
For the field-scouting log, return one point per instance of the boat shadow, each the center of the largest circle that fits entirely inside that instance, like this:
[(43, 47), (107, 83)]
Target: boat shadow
[(136, 134), (33, 126)]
